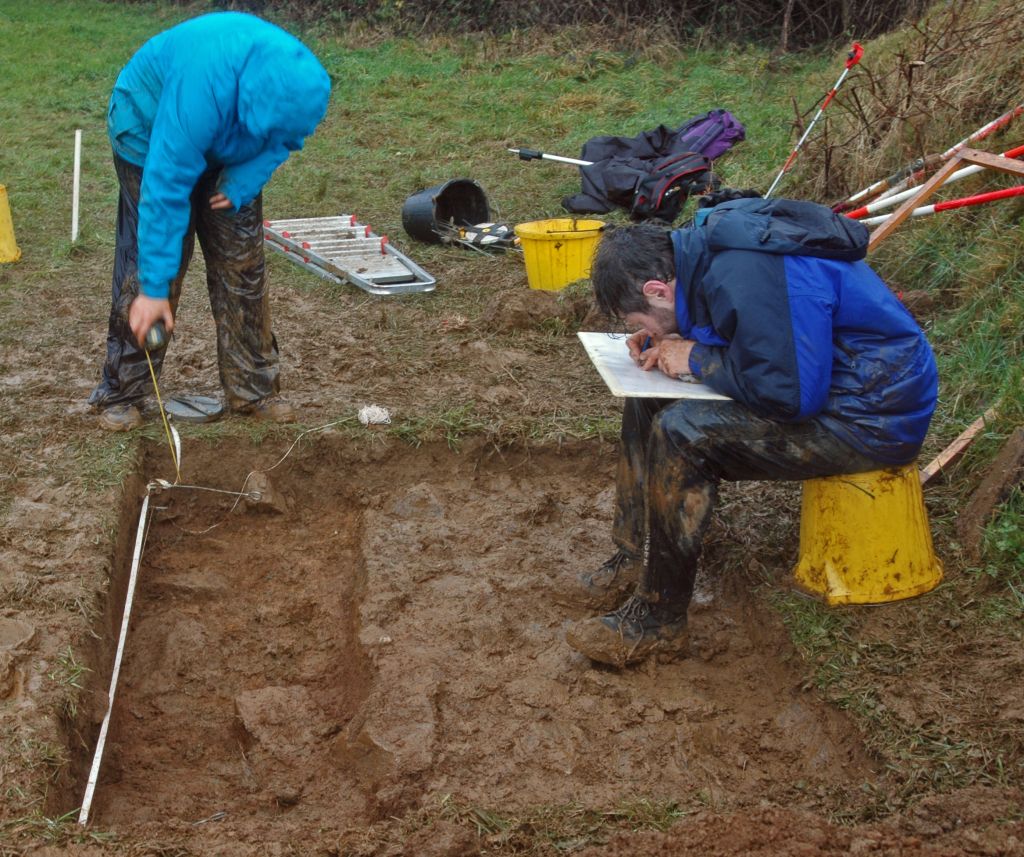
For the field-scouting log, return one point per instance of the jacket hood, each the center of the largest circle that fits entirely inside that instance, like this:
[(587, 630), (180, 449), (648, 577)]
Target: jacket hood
[(282, 93), (785, 226)]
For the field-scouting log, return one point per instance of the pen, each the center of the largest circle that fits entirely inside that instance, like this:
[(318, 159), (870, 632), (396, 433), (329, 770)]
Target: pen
[(646, 345)]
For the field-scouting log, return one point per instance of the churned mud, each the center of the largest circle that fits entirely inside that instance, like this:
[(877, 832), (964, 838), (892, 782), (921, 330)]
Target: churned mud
[(371, 660), (386, 628)]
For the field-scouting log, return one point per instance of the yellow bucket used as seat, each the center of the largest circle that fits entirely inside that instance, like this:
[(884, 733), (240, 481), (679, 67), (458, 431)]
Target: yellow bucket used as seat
[(864, 538)]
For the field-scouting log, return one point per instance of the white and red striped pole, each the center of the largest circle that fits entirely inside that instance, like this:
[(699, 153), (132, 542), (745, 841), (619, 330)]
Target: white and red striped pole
[(883, 184), (984, 131), (897, 198), (950, 204), (899, 180), (852, 58)]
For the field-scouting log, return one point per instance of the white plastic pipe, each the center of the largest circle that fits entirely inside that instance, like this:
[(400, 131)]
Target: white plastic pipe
[(75, 185), (533, 154)]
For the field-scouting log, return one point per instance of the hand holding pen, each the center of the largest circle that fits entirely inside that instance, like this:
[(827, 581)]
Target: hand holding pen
[(643, 349), (669, 353)]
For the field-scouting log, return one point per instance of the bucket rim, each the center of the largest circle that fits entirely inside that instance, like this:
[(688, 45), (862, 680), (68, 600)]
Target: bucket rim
[(531, 229), (462, 200)]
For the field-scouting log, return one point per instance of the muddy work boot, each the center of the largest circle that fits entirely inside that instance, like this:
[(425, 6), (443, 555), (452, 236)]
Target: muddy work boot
[(122, 417), (604, 588), (272, 409), (630, 634)]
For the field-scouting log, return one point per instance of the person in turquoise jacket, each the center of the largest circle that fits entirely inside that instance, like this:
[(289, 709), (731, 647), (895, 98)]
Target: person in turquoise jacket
[(199, 119)]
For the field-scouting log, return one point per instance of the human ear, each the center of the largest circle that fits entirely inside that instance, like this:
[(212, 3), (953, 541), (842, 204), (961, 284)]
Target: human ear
[(655, 289)]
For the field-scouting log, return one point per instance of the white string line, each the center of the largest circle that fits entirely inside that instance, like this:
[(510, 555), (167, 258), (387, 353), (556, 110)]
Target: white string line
[(254, 495), (163, 484)]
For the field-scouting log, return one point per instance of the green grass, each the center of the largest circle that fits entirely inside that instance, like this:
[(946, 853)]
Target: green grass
[(844, 664), (454, 425), (1002, 602), (451, 424), (1005, 543), (106, 462), (56, 830), (545, 830), (69, 674)]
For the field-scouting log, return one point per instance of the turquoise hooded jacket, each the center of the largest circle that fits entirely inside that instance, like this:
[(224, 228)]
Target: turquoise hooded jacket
[(226, 91)]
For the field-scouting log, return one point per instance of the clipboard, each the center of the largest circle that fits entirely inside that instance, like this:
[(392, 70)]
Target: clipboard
[(608, 353)]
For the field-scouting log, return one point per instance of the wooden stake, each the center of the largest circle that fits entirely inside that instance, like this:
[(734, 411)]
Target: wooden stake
[(1003, 475), (956, 448)]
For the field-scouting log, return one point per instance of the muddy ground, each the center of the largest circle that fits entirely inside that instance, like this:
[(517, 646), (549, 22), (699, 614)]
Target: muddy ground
[(371, 659)]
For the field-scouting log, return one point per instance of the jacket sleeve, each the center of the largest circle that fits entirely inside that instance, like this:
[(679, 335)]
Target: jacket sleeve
[(778, 360), (241, 183), (184, 128)]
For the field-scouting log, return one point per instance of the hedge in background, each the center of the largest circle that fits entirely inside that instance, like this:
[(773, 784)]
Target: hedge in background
[(788, 23)]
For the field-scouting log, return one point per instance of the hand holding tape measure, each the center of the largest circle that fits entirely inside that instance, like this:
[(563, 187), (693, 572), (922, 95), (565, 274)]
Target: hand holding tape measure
[(144, 313)]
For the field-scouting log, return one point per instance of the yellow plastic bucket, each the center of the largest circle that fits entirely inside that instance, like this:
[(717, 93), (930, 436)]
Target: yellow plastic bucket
[(558, 252), (864, 538), (9, 251)]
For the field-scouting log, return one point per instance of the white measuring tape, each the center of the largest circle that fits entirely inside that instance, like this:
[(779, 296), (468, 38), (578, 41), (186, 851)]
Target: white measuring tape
[(94, 772)]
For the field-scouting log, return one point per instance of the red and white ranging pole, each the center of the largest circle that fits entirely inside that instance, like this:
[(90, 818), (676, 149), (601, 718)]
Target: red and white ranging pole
[(852, 58), (950, 204), (897, 198)]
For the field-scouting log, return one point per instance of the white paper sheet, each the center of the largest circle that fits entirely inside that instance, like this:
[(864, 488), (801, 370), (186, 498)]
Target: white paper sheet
[(625, 379)]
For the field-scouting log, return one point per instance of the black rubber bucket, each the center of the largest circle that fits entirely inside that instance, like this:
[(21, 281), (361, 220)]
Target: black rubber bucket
[(457, 202)]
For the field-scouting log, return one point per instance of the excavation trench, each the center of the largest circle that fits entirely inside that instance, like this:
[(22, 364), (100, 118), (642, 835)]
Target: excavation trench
[(386, 627)]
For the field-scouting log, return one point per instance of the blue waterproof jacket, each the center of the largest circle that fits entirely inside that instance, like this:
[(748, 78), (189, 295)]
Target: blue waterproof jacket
[(225, 91), (792, 323)]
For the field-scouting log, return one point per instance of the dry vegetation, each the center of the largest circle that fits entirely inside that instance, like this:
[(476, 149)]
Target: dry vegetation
[(788, 23), (956, 68)]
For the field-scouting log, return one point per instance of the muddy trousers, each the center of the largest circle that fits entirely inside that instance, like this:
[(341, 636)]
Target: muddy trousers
[(673, 455), (232, 245)]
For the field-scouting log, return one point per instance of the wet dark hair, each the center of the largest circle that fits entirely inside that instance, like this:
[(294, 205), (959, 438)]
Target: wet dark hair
[(626, 258)]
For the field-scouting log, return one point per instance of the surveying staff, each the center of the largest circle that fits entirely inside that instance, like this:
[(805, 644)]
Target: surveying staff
[(199, 119), (769, 303)]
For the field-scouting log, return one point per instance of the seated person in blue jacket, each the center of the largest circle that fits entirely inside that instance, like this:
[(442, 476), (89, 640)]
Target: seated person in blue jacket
[(769, 303), (199, 119)]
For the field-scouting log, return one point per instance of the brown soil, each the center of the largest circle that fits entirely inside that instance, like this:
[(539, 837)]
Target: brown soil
[(371, 659), (397, 636)]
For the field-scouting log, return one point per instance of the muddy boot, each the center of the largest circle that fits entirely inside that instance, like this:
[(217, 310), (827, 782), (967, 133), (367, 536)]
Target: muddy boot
[(630, 634), (607, 586), (121, 417), (272, 409)]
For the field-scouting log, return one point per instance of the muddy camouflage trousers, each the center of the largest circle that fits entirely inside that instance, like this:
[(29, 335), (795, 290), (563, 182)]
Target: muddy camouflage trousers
[(673, 455), (232, 245)]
